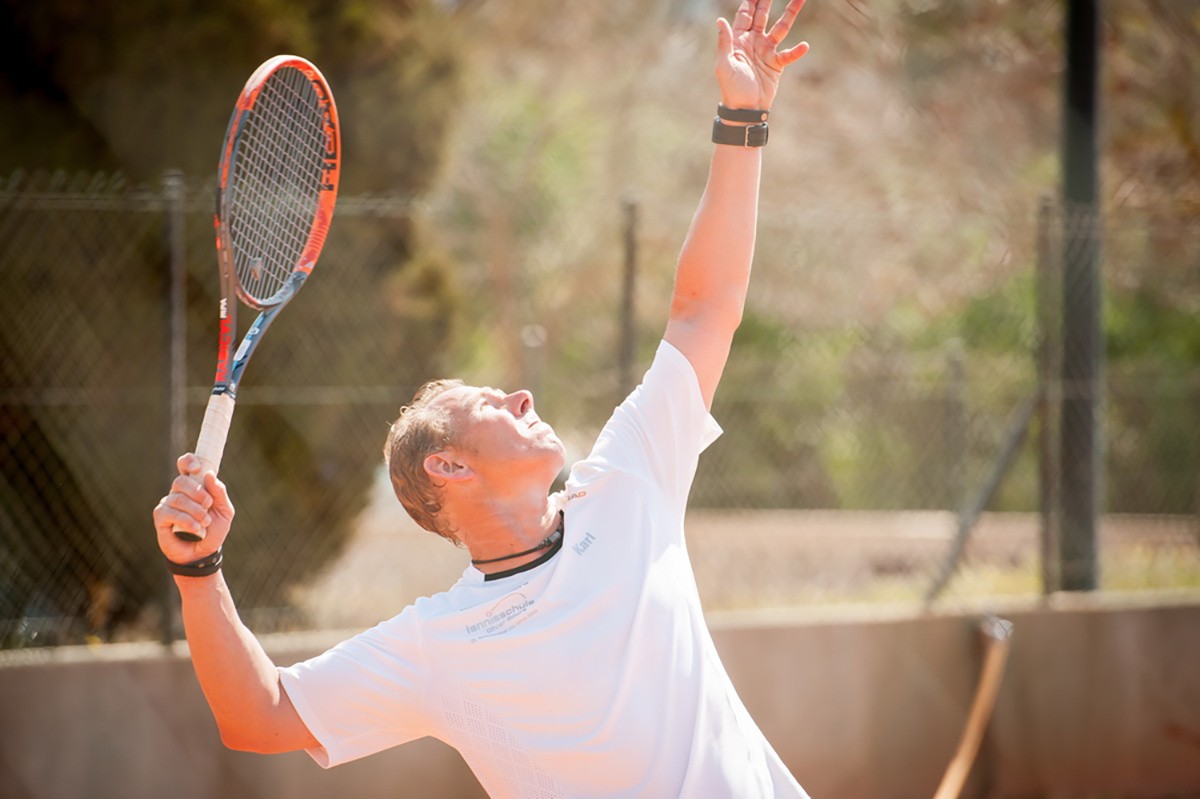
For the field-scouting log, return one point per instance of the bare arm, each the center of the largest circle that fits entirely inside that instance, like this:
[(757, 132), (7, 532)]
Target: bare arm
[(239, 680), (713, 272)]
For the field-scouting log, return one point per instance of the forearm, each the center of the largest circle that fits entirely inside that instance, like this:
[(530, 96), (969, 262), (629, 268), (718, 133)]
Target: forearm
[(239, 680), (714, 266), (713, 271)]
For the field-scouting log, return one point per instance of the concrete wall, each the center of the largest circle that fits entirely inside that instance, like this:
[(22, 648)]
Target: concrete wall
[(1101, 697)]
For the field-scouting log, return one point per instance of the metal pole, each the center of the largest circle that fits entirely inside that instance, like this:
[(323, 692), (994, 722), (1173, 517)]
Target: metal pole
[(173, 191), (1083, 353), (955, 427), (628, 284), (1049, 397)]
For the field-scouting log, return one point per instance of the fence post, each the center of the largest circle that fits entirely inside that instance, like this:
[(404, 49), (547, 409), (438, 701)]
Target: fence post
[(1049, 398), (173, 193), (955, 427), (628, 284), (1083, 345)]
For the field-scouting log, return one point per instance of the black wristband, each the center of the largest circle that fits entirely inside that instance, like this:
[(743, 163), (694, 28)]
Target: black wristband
[(748, 136), (742, 114), (209, 564)]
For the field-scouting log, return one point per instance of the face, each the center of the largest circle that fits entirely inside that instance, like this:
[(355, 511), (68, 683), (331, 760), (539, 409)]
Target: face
[(500, 436)]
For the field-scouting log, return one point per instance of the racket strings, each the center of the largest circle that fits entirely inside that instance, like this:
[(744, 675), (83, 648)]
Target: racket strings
[(275, 185)]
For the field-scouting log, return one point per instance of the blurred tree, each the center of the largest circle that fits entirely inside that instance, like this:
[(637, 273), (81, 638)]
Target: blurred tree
[(1008, 57), (1152, 106), (140, 88), (145, 87)]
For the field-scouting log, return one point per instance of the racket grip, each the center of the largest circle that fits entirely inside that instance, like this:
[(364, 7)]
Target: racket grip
[(211, 444)]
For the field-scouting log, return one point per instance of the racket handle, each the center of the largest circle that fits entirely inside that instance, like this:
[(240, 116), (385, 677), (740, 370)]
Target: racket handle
[(211, 444)]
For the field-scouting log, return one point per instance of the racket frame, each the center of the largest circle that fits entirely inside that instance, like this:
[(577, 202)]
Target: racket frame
[(231, 363)]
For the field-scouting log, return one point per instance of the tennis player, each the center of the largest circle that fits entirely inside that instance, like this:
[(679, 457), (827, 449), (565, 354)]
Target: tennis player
[(572, 658)]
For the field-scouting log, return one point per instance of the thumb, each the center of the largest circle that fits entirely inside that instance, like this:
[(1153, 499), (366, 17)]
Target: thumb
[(724, 37), (220, 495)]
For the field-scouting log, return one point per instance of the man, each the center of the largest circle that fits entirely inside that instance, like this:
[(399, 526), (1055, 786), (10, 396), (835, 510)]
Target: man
[(572, 658)]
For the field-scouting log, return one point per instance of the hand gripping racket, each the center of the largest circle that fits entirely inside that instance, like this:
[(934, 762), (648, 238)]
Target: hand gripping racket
[(276, 187)]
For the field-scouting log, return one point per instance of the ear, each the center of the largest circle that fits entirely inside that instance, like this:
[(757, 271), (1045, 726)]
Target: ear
[(446, 465)]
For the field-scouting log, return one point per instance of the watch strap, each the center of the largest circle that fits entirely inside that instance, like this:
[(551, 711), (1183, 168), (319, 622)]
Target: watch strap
[(203, 567), (742, 114), (743, 136)]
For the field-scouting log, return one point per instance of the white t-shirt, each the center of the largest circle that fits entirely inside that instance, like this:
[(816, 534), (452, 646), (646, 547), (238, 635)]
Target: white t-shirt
[(592, 674)]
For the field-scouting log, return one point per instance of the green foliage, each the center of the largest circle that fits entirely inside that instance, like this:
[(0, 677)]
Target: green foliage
[(999, 321), (1153, 350), (911, 414), (777, 390), (521, 229), (1143, 326)]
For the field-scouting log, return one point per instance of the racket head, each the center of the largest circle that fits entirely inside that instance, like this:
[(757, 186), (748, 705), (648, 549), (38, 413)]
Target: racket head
[(277, 180)]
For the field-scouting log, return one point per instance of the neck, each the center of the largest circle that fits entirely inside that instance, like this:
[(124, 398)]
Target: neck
[(539, 549), (512, 530)]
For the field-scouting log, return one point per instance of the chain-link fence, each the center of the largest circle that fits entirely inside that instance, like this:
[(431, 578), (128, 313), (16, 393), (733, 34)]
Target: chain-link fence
[(893, 433)]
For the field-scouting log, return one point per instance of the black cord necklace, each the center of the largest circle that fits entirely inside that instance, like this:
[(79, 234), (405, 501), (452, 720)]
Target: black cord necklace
[(548, 541)]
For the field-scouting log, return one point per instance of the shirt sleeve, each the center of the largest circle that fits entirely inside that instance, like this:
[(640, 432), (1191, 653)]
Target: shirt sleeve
[(363, 695), (659, 431)]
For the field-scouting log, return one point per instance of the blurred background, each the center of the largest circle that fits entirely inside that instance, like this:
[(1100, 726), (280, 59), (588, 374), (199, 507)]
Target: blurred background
[(517, 181)]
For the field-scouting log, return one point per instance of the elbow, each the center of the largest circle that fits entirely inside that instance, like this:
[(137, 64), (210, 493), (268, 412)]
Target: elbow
[(240, 739), (722, 316), (252, 746), (237, 741)]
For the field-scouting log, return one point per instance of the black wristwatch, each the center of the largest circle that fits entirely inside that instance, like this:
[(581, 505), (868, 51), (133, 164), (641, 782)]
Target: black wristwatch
[(747, 136)]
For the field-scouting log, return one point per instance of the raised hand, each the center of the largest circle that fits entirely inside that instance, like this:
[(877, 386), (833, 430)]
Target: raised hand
[(197, 503), (749, 61)]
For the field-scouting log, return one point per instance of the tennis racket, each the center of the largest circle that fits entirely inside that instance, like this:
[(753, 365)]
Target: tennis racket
[(276, 187)]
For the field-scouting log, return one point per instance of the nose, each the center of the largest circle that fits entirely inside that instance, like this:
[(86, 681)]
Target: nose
[(520, 402)]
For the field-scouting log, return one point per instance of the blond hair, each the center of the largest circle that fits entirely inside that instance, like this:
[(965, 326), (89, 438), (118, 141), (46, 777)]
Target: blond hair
[(418, 432)]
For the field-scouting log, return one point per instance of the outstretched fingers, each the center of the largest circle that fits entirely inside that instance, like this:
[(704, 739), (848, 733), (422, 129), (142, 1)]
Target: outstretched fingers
[(762, 12), (744, 17), (783, 25), (792, 54)]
